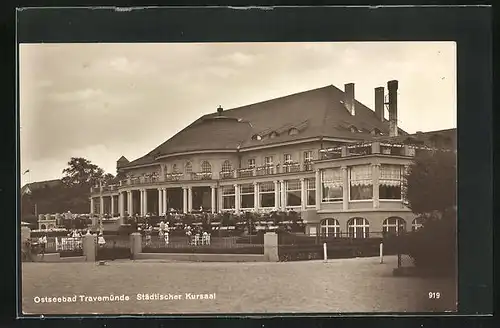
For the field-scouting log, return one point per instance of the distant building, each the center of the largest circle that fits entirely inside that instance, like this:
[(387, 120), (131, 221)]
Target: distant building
[(30, 187), (319, 152)]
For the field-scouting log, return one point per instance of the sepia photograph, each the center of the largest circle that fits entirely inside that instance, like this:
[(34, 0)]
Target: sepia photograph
[(238, 178)]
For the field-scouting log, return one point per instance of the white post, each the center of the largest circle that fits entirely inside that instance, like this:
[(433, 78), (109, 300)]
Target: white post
[(283, 195), (91, 205), (112, 206), (184, 199), (237, 199), (381, 253), (145, 202), (325, 255)]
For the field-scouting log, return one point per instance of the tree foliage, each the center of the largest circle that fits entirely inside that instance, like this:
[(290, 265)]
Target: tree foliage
[(81, 171), (72, 195), (431, 182)]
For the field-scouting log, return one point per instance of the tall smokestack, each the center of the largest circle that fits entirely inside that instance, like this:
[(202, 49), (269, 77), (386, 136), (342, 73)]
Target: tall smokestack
[(349, 98), (393, 107), (379, 103)]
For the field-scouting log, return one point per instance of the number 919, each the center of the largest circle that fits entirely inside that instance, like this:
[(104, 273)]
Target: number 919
[(434, 295)]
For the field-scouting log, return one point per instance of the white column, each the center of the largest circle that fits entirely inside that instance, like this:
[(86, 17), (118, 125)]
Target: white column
[(91, 205), (345, 188), (190, 199), (165, 205), (120, 204), (141, 202), (283, 194), (303, 197), (112, 205), (376, 183), (130, 204), (256, 196), (318, 189), (101, 205), (160, 201), (184, 199), (213, 199), (145, 201), (237, 198), (276, 195)]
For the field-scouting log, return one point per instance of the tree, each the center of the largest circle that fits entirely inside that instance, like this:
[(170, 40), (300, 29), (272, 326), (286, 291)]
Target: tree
[(81, 171), (431, 183), (430, 190)]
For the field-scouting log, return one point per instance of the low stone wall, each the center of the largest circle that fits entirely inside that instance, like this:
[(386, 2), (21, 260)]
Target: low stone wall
[(192, 257), (56, 257)]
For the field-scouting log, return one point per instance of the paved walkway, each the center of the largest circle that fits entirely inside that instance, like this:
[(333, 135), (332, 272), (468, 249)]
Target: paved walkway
[(348, 285)]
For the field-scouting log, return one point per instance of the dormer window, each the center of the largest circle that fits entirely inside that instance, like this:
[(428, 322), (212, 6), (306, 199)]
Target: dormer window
[(273, 134), (353, 129), (256, 137), (293, 131), (376, 132)]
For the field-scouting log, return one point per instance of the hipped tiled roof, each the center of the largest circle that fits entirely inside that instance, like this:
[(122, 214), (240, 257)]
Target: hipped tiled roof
[(315, 113)]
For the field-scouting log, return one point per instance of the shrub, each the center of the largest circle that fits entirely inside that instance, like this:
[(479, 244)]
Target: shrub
[(433, 247)]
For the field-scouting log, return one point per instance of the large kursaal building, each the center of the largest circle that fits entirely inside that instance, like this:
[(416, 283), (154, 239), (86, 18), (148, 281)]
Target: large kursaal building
[(319, 152)]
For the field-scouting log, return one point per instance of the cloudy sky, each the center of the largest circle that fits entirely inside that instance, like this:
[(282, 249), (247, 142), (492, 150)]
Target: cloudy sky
[(102, 101)]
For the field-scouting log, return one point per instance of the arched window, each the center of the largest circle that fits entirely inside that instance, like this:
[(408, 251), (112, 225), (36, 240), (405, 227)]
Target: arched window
[(188, 168), (330, 228), (256, 137), (417, 223), (226, 166), (293, 131), (358, 228), (43, 227), (273, 134), (393, 225), (206, 167)]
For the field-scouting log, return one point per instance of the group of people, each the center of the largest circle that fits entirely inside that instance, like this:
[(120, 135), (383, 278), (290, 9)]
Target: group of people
[(197, 236)]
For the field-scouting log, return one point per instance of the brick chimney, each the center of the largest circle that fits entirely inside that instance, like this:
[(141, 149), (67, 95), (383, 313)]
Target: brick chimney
[(392, 86), (379, 103), (220, 110), (349, 98)]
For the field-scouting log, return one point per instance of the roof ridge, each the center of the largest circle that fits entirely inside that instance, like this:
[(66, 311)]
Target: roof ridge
[(269, 100)]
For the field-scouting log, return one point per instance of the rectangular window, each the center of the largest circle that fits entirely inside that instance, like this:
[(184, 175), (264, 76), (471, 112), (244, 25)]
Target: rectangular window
[(390, 181), (332, 185), (266, 194), (246, 196), (293, 193), (269, 164), (228, 197), (251, 163), (361, 185), (288, 158), (308, 157), (311, 191)]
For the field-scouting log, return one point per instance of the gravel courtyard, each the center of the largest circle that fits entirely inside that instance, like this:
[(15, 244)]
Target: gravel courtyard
[(348, 285)]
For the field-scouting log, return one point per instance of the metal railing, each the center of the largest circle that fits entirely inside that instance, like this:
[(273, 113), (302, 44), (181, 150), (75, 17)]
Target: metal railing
[(226, 174), (201, 176)]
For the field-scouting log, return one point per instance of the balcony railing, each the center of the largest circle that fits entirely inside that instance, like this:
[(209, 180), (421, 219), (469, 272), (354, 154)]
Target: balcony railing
[(201, 176), (226, 174), (246, 173), (369, 149), (291, 167), (174, 176), (265, 170)]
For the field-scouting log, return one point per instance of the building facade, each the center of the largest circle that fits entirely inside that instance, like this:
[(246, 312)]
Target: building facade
[(321, 153)]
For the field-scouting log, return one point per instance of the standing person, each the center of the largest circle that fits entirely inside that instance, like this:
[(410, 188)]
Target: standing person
[(43, 244), (167, 234)]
